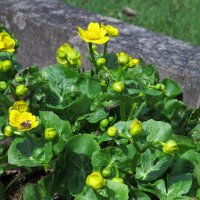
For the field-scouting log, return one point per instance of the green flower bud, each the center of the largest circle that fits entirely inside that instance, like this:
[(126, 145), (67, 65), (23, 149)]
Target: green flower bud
[(95, 181), (101, 62), (123, 58), (8, 131), (21, 90), (50, 133), (5, 65), (170, 146), (3, 86), (119, 180), (162, 87), (106, 172), (135, 127), (112, 131), (111, 119), (104, 123), (103, 83), (19, 79), (118, 86)]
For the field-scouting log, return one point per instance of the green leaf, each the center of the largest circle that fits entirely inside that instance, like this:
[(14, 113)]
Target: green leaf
[(122, 154), (79, 151), (117, 191), (90, 195), (29, 152), (185, 163), (179, 185), (97, 115), (83, 144), (89, 87), (172, 89), (51, 120), (157, 131), (138, 194), (157, 188), (152, 165), (31, 192)]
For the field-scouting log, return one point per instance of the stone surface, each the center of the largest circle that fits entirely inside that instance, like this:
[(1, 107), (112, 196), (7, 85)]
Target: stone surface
[(42, 25)]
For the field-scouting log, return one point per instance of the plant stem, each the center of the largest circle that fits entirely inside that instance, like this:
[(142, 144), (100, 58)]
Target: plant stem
[(134, 105), (108, 71), (15, 179), (139, 150), (105, 49), (139, 109), (92, 56), (119, 73), (135, 161), (116, 171), (122, 111)]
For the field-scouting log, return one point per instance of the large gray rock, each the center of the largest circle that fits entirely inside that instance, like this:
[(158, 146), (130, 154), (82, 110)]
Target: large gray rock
[(42, 25)]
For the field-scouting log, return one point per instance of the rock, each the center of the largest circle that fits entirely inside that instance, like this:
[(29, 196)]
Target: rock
[(43, 25)]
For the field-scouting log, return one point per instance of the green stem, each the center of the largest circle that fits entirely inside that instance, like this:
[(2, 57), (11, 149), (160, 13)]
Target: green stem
[(116, 171), (108, 71), (135, 161), (15, 179), (119, 73), (138, 111), (134, 105), (122, 111), (105, 49), (139, 150), (92, 56)]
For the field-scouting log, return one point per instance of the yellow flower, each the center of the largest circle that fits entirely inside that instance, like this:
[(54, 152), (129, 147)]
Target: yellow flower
[(95, 180), (67, 56), (21, 106), (22, 121), (110, 30), (94, 34), (7, 43)]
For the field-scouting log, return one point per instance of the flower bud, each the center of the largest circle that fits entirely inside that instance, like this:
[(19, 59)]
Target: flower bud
[(8, 131), (170, 146), (112, 131), (135, 127), (101, 62), (118, 86), (104, 123), (95, 181), (50, 133), (106, 172), (103, 83), (119, 180), (123, 58), (61, 54), (21, 90), (133, 62), (19, 79), (111, 119), (160, 86), (5, 65), (3, 86)]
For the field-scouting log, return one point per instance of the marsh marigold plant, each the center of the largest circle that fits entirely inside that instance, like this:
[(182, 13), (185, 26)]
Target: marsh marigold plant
[(113, 131)]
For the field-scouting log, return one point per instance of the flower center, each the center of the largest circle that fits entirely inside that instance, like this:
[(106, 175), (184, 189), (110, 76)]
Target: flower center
[(26, 124)]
